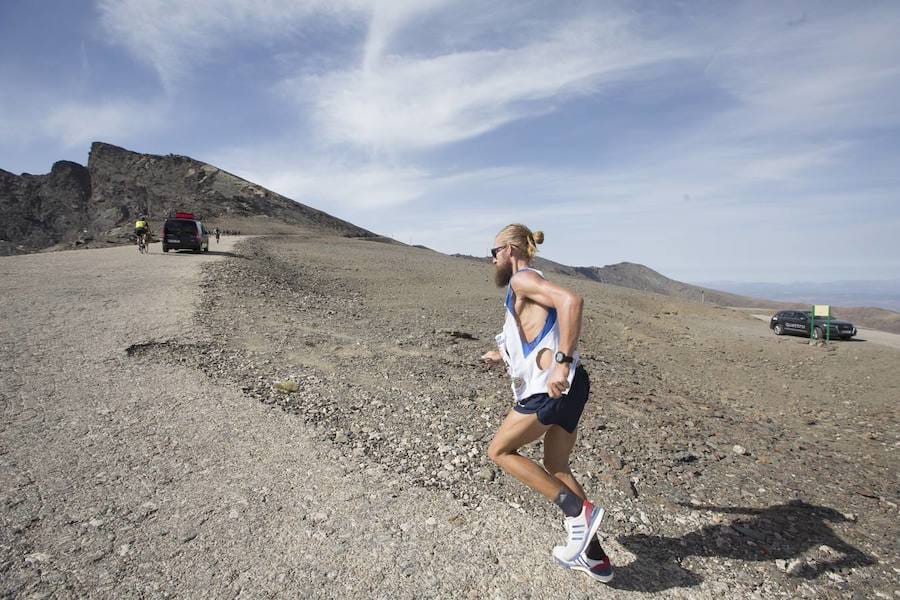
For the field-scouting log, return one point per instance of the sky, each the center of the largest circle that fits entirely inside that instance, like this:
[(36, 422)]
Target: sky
[(740, 141)]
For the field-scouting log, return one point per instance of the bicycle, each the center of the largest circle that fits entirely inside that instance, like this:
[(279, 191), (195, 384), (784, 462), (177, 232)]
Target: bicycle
[(142, 243)]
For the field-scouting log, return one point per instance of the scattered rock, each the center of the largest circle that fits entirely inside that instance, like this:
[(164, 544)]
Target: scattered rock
[(287, 386), (146, 509), (613, 461), (36, 558), (686, 457), (187, 535), (626, 486), (795, 567), (458, 334), (487, 474)]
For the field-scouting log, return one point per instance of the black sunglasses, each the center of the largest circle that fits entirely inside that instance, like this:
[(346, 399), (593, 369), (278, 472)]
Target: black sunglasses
[(495, 251)]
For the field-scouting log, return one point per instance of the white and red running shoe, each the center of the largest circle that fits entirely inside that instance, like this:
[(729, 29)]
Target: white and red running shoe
[(580, 530), (599, 569)]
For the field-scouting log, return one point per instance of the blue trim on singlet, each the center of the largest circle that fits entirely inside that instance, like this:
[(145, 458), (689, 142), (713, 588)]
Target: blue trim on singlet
[(527, 347)]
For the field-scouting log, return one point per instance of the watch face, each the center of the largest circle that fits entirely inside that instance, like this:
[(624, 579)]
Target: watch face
[(562, 358)]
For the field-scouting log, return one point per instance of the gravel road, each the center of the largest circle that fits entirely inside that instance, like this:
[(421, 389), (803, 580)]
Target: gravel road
[(144, 452), (128, 479)]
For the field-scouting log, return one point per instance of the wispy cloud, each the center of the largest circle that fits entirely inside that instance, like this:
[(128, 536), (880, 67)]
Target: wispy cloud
[(116, 121), (173, 36), (832, 74), (394, 103), (349, 186)]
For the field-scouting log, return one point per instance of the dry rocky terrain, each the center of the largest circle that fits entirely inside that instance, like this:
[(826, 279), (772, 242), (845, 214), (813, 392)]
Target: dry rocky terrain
[(306, 416)]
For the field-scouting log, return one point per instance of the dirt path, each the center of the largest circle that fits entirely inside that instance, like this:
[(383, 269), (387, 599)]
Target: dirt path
[(134, 463), (127, 478), (882, 338)]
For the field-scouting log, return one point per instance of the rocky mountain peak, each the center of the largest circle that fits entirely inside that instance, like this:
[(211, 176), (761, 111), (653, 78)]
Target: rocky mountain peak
[(95, 205)]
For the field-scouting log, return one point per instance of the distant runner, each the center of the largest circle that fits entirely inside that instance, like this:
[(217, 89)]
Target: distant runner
[(217, 235), (543, 322)]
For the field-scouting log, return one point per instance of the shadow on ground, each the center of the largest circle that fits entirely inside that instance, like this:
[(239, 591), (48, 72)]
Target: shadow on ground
[(783, 531), (210, 252)]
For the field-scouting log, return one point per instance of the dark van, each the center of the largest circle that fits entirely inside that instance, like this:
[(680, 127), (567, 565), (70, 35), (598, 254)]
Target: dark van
[(185, 231)]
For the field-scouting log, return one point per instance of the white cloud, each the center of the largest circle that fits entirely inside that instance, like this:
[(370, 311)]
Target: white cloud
[(793, 165), (172, 36), (831, 74), (370, 186), (80, 123), (396, 103), (388, 17), (349, 186)]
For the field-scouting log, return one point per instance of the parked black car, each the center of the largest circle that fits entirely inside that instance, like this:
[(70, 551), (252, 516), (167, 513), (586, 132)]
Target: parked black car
[(184, 231), (797, 322)]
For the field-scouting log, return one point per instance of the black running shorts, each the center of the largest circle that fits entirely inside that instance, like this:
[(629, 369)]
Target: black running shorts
[(564, 411)]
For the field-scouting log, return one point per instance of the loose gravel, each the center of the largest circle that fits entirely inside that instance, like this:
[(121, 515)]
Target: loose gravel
[(309, 416)]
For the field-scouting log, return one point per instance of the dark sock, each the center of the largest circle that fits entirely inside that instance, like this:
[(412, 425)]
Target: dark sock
[(594, 551), (569, 502)]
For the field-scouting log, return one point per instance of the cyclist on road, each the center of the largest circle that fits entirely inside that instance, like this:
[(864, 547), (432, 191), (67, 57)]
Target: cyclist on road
[(142, 228)]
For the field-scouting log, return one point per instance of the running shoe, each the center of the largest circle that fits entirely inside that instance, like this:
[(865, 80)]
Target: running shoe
[(581, 530), (599, 569)]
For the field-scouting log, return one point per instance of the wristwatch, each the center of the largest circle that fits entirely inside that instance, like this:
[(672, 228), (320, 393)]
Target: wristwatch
[(561, 358)]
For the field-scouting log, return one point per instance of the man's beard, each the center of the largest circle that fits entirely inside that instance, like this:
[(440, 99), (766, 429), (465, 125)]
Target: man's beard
[(502, 275)]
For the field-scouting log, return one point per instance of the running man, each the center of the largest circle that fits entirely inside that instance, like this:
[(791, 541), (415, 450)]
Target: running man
[(217, 235), (550, 387)]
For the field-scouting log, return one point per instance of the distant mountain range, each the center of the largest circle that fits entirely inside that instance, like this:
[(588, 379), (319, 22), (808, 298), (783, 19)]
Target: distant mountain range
[(883, 294)]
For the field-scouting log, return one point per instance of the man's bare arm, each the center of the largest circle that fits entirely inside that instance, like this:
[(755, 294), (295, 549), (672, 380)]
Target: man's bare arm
[(568, 305)]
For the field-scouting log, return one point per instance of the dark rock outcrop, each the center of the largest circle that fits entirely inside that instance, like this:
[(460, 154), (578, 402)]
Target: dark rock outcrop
[(37, 211)]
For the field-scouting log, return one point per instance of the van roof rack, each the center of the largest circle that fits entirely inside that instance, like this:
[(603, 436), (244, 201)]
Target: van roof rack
[(180, 214)]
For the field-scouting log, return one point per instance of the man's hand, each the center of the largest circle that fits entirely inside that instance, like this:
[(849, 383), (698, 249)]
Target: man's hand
[(491, 358), (558, 382)]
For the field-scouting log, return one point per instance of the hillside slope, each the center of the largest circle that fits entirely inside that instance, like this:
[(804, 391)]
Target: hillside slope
[(639, 277), (75, 205)]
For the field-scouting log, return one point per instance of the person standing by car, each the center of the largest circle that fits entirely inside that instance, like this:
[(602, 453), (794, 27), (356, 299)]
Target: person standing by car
[(550, 387)]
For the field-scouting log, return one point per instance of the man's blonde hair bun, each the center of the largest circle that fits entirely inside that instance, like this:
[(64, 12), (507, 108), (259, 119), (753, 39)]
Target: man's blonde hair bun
[(522, 238)]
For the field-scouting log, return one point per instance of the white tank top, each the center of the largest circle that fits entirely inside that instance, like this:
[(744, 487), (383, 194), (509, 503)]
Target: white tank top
[(521, 355)]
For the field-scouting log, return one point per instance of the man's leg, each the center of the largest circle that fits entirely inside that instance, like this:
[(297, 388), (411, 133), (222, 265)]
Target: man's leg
[(558, 444), (516, 431)]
